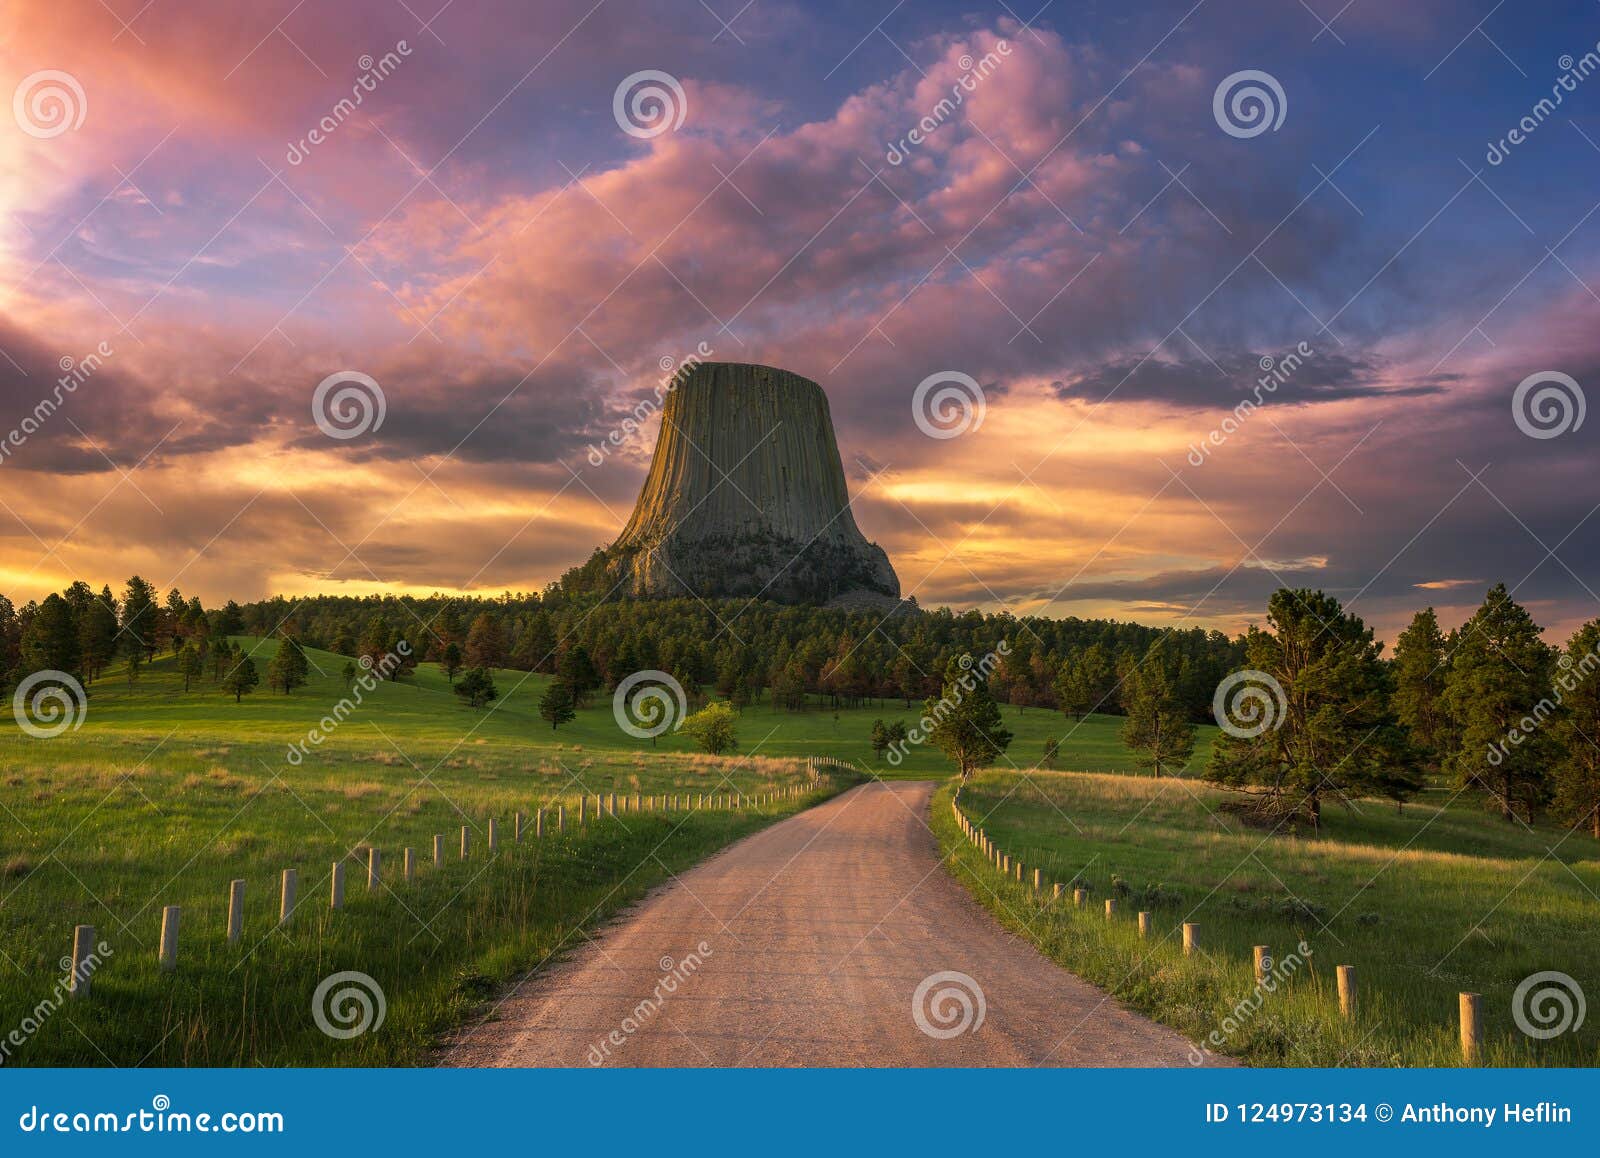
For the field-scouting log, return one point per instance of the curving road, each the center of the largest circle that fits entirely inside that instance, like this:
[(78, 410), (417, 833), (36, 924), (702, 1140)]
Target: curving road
[(803, 946)]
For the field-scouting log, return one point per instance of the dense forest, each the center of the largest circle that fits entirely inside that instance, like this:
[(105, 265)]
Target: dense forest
[(1321, 713)]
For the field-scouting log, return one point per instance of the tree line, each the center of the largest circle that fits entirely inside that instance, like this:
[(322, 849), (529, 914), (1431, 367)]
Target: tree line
[(1488, 706)]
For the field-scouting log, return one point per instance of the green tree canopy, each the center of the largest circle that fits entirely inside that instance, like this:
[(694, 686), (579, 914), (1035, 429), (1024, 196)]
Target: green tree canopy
[(1310, 719)]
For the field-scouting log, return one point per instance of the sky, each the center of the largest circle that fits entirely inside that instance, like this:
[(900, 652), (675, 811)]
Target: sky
[(513, 236)]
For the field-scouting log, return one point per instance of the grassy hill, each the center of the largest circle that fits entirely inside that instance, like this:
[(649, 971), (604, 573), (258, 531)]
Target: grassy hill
[(1426, 902), (163, 797), (424, 711)]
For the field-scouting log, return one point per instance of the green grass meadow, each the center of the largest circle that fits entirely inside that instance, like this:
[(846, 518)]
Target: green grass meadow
[(163, 797), (1425, 902)]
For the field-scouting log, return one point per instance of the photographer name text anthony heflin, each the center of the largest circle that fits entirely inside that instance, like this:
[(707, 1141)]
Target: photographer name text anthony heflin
[(1510, 1114)]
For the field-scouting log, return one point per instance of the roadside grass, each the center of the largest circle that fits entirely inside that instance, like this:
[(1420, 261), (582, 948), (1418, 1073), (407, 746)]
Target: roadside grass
[(1425, 902), (162, 798)]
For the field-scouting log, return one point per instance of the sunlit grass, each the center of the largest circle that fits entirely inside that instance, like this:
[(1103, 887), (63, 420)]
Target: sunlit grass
[(1425, 901)]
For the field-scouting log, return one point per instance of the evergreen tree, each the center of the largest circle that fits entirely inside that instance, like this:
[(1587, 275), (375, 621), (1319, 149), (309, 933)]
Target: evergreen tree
[(966, 721), (536, 649), (477, 687), (222, 659), (1419, 671), (880, 739), (375, 640), (97, 633), (577, 669), (557, 703), (1084, 682), (171, 619), (1333, 733), (1157, 728), (50, 642), (349, 674), (1499, 682), (289, 668), (138, 632), (1052, 749), (486, 643), (190, 664), (241, 677), (231, 619), (450, 661)]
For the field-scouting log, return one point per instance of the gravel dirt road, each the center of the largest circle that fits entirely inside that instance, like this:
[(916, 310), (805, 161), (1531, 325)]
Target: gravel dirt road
[(805, 945)]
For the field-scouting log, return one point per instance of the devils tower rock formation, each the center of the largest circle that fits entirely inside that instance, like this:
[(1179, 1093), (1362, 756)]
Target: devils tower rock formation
[(746, 497)]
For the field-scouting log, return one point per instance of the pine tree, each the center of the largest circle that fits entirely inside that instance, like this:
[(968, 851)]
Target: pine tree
[(477, 687), (50, 642), (1084, 682), (1052, 749), (486, 643), (967, 725), (289, 668), (189, 663), (171, 619), (536, 649), (577, 669), (450, 661), (880, 739), (1419, 671), (1500, 681), (138, 629), (1157, 728), (374, 643), (241, 677), (1577, 773), (557, 703), (97, 633), (1333, 733)]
